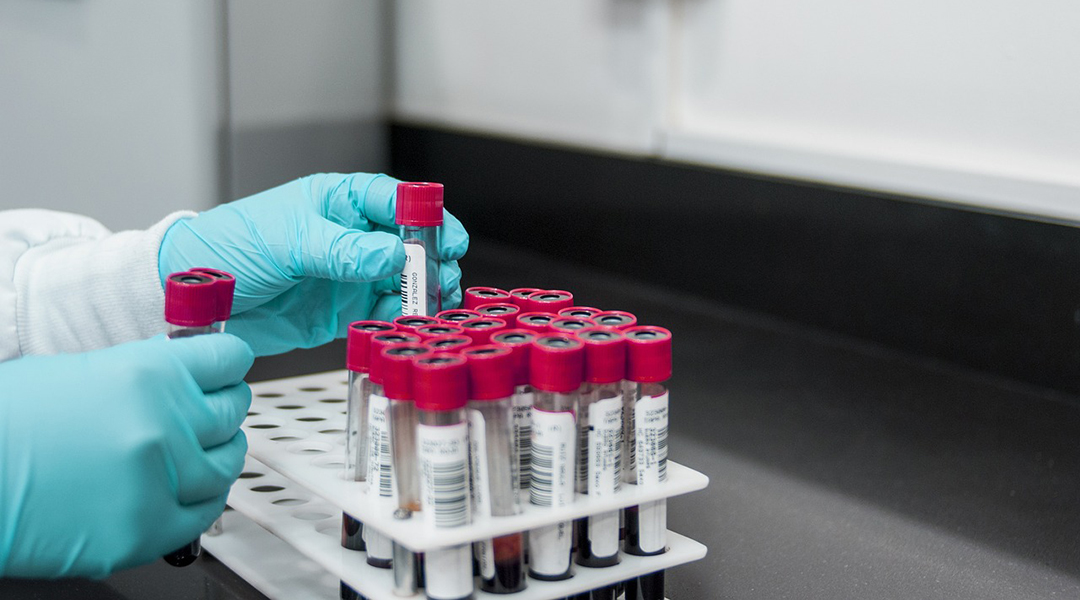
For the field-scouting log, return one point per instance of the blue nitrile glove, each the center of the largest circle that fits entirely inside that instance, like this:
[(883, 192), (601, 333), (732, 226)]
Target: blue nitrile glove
[(115, 457)]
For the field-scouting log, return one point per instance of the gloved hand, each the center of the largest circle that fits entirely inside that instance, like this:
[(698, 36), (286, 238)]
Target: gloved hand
[(309, 257), (115, 457)]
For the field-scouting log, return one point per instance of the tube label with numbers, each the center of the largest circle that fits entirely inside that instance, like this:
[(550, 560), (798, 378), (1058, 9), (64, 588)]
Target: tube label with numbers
[(444, 473), (651, 433), (604, 473), (522, 412), (552, 484), (414, 281), (380, 474)]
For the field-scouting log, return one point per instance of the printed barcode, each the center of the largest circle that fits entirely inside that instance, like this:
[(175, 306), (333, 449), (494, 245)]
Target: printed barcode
[(661, 452), (449, 482), (543, 476), (524, 440), (583, 459), (629, 443), (385, 485), (405, 293)]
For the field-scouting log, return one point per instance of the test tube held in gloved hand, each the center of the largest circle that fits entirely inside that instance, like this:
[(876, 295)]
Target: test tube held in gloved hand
[(555, 372), (419, 214), (226, 288), (493, 469), (440, 385), (191, 308)]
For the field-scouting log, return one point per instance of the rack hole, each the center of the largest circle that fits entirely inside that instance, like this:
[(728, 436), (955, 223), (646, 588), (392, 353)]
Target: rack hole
[(270, 395), (310, 448), (263, 426), (332, 400), (311, 516), (267, 488), (312, 389), (311, 419), (250, 475), (289, 501), (332, 431), (291, 406)]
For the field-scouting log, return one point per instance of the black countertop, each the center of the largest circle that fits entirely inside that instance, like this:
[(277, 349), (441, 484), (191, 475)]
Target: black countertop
[(839, 469)]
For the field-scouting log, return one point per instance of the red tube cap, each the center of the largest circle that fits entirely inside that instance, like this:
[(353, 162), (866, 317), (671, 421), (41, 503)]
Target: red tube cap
[(419, 204), (411, 323), (615, 318), (226, 287), (376, 345), (358, 345), (518, 342), (440, 382), (397, 370), (430, 331), (539, 322), (190, 299), (481, 329), (519, 296), (556, 363), (449, 343), (570, 325), (500, 310), (475, 296), (579, 312), (648, 354), (551, 301), (456, 314), (491, 372), (605, 354)]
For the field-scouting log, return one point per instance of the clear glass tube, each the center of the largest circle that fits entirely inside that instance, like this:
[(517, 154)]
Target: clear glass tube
[(421, 293), (495, 482), (553, 467), (406, 482), (600, 424), (379, 472), (352, 530), (646, 524)]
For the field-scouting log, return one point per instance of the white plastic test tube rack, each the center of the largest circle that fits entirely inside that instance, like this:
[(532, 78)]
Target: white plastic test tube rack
[(294, 487)]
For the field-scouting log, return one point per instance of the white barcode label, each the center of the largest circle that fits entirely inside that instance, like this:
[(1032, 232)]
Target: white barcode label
[(604, 473), (378, 545), (650, 431), (652, 526), (523, 437), (380, 471), (479, 479), (444, 473), (549, 549), (448, 572), (414, 281), (552, 460)]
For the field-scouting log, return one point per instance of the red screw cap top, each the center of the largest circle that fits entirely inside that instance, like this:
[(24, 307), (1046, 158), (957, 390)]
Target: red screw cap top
[(518, 342), (190, 299), (551, 301), (411, 323), (376, 345), (397, 371), (648, 354), (440, 382), (419, 204), (519, 296), (556, 363), (500, 310), (579, 312), (430, 331), (456, 314), (539, 322), (481, 329), (605, 354), (475, 296), (226, 286), (491, 372), (358, 345), (570, 325), (615, 318), (449, 343)]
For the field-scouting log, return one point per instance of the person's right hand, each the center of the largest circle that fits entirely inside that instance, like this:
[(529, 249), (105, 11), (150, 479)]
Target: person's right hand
[(112, 458)]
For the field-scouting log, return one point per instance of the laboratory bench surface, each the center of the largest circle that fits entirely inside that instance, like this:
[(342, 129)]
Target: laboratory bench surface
[(839, 469)]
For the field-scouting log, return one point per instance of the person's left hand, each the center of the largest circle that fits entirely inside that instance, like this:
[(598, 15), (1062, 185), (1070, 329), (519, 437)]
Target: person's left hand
[(309, 257)]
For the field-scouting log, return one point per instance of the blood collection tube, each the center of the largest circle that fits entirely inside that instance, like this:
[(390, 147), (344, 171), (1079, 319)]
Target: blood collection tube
[(357, 353), (518, 296), (454, 315), (419, 214), (540, 322), (411, 323), (579, 312), (191, 301), (600, 424), (518, 342), (619, 319), (570, 325), (494, 473), (551, 301), (481, 329), (449, 343), (648, 367), (500, 310), (397, 369), (379, 466), (432, 331), (556, 365), (475, 296), (440, 384), (226, 288)]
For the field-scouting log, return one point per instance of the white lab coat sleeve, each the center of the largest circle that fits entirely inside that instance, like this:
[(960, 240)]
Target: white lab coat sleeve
[(67, 284)]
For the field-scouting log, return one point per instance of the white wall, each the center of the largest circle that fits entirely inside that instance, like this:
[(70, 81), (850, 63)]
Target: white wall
[(110, 109)]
